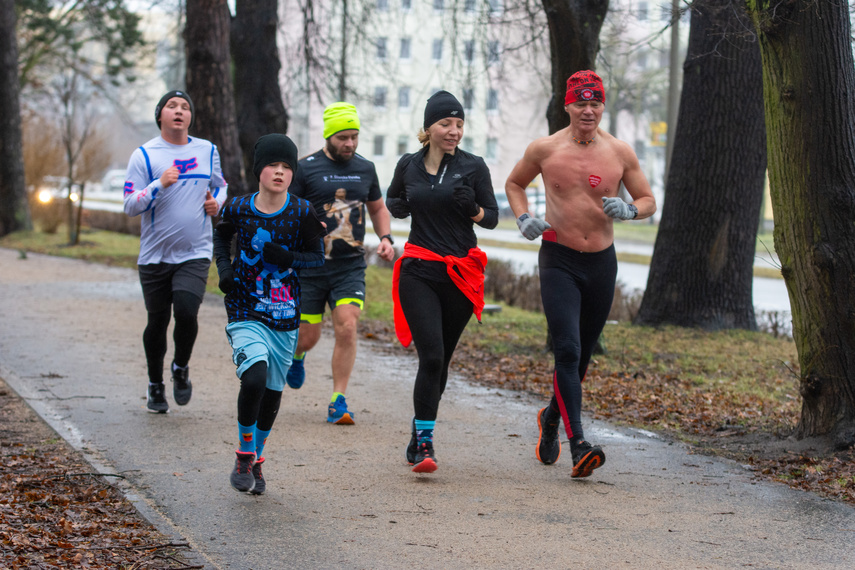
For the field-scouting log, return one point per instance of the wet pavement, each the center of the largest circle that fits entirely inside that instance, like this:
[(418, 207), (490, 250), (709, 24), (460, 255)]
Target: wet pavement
[(70, 344)]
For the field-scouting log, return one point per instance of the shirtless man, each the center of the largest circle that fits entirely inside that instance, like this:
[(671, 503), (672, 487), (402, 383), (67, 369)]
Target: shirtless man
[(582, 168)]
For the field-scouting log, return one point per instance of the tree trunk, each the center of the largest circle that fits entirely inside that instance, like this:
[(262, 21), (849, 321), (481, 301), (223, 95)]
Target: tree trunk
[(574, 40), (258, 98), (701, 274), (809, 83), (15, 213), (209, 82)]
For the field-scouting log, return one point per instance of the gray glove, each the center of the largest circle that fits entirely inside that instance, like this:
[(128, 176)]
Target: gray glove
[(617, 208), (530, 227)]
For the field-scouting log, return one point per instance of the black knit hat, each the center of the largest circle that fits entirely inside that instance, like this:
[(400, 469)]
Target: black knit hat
[(162, 103), (274, 148), (440, 105)]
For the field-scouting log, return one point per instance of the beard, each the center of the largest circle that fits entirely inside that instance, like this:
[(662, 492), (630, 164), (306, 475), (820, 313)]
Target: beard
[(336, 156)]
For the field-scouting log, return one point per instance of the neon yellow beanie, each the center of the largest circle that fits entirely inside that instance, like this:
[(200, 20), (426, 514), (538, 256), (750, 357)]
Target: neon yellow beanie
[(340, 117)]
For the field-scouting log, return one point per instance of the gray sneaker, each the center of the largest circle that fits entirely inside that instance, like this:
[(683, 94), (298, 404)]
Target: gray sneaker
[(260, 485), (241, 477), (156, 402), (182, 388)]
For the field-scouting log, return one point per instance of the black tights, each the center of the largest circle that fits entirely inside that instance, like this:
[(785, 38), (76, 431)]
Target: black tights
[(577, 291), (437, 314), (185, 306), (257, 404)]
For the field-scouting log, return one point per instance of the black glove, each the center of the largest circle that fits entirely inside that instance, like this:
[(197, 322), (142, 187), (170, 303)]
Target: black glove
[(464, 197), (227, 280), (223, 234), (277, 255), (398, 207), (226, 230)]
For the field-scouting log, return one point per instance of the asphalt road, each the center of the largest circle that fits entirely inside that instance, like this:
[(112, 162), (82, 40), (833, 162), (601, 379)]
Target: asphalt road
[(70, 343)]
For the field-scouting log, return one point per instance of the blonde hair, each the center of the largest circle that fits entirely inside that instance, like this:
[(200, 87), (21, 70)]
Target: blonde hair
[(424, 137)]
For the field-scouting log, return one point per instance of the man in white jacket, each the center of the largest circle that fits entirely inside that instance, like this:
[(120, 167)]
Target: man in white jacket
[(176, 184)]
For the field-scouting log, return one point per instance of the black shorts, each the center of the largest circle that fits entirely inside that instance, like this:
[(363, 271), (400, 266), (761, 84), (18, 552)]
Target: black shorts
[(336, 282), (159, 280)]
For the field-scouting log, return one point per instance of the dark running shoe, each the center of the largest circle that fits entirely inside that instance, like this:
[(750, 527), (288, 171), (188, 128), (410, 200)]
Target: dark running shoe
[(260, 486), (156, 402), (241, 477), (297, 373), (586, 458), (413, 446), (425, 461), (182, 389), (548, 444)]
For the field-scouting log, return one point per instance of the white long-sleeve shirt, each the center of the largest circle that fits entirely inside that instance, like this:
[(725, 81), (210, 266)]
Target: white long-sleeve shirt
[(174, 226)]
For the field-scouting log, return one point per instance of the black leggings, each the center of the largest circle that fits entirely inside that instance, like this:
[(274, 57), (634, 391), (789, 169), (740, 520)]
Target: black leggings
[(577, 290), (437, 313), (185, 305), (257, 404)]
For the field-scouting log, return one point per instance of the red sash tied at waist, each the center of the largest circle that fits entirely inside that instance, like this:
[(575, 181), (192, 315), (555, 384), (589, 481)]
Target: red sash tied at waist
[(470, 281)]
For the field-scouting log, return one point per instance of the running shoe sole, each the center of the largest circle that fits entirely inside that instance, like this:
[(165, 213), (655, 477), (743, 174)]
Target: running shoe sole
[(344, 420), (427, 465), (591, 460), (543, 459)]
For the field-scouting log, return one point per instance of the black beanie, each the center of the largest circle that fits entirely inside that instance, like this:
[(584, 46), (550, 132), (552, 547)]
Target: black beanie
[(274, 148), (440, 105), (162, 103)]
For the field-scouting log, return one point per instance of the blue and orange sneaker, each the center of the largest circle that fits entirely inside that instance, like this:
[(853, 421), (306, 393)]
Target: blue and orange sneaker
[(337, 412), (297, 373)]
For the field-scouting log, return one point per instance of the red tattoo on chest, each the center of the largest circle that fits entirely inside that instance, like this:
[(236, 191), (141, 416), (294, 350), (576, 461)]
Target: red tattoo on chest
[(594, 180)]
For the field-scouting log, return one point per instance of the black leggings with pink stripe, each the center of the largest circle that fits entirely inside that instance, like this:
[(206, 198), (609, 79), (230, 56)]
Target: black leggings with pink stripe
[(577, 289)]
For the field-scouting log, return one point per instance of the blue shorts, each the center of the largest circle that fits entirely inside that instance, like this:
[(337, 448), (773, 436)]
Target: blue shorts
[(253, 342)]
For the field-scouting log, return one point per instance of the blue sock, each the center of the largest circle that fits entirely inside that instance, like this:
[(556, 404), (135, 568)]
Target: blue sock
[(424, 430), (246, 436), (260, 440)]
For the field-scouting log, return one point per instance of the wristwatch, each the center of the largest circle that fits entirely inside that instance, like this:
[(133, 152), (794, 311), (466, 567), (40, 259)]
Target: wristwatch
[(634, 209), (388, 237)]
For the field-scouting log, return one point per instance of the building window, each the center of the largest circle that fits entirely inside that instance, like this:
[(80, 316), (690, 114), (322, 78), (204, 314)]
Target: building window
[(404, 98), (406, 5), (642, 11), (496, 7), (402, 145), (469, 6), (466, 144), (382, 5), (381, 48), (494, 50), (437, 49), (380, 97), (468, 98), (406, 45), (469, 51), (438, 5), (491, 152), (492, 100), (378, 145)]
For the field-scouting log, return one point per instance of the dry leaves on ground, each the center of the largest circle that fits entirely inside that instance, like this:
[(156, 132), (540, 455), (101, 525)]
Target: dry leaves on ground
[(56, 513)]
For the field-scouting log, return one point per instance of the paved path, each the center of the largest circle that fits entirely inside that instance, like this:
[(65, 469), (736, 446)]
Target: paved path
[(343, 497)]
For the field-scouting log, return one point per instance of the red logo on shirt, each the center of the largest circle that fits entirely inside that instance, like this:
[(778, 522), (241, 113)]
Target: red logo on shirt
[(594, 180)]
